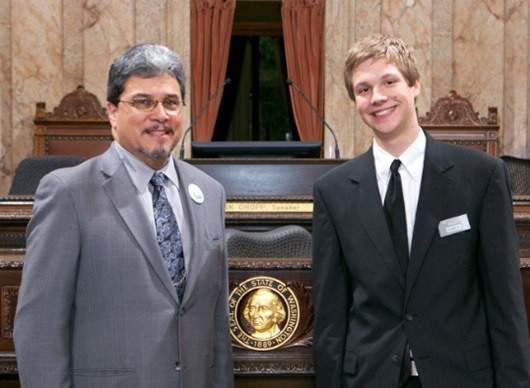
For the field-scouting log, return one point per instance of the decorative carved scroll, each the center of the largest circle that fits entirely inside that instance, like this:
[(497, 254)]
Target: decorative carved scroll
[(456, 110), (77, 105), (453, 120), (78, 126)]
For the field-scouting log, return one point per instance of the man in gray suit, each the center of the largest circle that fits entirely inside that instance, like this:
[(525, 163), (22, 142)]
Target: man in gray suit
[(97, 305), (428, 295)]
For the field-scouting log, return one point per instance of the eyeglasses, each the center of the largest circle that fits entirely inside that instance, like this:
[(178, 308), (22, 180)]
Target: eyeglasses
[(171, 105)]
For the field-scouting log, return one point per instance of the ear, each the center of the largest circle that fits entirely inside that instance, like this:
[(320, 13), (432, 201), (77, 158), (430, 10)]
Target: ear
[(416, 87), (111, 112)]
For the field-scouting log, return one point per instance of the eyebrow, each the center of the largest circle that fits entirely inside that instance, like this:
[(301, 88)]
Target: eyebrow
[(385, 76), (151, 96), (390, 75)]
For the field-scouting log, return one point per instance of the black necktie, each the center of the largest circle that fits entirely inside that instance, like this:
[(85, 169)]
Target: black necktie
[(395, 216)]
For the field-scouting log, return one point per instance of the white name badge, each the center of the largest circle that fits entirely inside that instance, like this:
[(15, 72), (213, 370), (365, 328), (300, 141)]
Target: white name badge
[(195, 193), (454, 225)]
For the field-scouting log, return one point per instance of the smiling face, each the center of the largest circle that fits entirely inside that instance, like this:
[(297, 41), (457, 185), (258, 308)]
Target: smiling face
[(385, 102), (150, 136)]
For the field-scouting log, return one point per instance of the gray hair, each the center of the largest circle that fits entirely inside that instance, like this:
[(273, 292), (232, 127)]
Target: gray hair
[(146, 61)]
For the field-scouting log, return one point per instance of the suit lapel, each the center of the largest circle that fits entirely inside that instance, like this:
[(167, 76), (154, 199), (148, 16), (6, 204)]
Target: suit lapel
[(368, 206), (195, 217), (123, 195), (436, 184)]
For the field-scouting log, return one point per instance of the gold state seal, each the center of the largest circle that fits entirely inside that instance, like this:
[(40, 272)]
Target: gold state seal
[(264, 313)]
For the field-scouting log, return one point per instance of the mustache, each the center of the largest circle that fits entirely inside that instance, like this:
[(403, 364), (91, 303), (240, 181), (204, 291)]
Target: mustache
[(156, 127)]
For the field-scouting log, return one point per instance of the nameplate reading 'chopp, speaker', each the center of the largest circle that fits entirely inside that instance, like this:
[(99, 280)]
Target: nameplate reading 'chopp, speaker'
[(268, 207)]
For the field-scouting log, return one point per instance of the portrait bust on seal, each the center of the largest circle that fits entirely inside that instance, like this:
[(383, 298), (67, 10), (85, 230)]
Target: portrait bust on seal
[(264, 311)]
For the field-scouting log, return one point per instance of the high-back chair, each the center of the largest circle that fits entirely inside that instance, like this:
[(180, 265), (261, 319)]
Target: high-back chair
[(31, 170)]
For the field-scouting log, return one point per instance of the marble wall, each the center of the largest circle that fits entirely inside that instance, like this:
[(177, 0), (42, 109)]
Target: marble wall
[(49, 47), (480, 48)]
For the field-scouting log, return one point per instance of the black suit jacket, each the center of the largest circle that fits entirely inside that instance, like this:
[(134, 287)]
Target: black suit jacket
[(461, 306)]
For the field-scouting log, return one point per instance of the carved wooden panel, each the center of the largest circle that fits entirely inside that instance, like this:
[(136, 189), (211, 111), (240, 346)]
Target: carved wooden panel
[(78, 126), (8, 304), (10, 277), (289, 352), (452, 119)]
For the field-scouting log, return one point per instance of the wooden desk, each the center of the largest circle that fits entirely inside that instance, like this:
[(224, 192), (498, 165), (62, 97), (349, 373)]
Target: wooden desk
[(287, 367), (267, 193)]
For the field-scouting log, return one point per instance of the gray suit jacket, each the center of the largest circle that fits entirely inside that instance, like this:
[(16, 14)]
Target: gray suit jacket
[(96, 305), (461, 305)]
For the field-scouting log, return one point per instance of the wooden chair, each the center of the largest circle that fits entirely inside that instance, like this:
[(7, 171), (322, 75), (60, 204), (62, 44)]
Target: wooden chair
[(78, 126), (452, 119)]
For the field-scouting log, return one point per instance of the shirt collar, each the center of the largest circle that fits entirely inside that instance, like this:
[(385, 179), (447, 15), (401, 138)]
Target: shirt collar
[(411, 160), (140, 172)]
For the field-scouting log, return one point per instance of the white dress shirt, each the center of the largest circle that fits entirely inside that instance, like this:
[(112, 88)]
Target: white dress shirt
[(410, 170)]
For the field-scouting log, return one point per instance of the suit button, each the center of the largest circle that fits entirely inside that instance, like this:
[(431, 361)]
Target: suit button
[(176, 366), (409, 317), (396, 359)]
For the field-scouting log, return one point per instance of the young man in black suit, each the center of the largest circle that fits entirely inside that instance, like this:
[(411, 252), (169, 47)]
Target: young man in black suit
[(430, 294)]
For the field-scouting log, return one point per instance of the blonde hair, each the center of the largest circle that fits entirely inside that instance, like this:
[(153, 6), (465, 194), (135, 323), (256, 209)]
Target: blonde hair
[(381, 46)]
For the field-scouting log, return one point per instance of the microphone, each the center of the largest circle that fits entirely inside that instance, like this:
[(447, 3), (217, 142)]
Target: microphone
[(291, 83), (212, 96)]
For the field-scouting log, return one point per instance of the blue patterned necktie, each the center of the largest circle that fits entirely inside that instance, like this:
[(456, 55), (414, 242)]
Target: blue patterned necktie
[(168, 234)]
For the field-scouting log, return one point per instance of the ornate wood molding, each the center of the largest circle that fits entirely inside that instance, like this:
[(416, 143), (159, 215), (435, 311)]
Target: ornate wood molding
[(8, 298), (8, 363), (77, 105), (79, 125), (457, 111), (453, 120), (252, 264), (273, 368)]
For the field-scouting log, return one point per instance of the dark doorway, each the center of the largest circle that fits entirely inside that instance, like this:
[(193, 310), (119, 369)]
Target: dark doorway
[(256, 105)]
